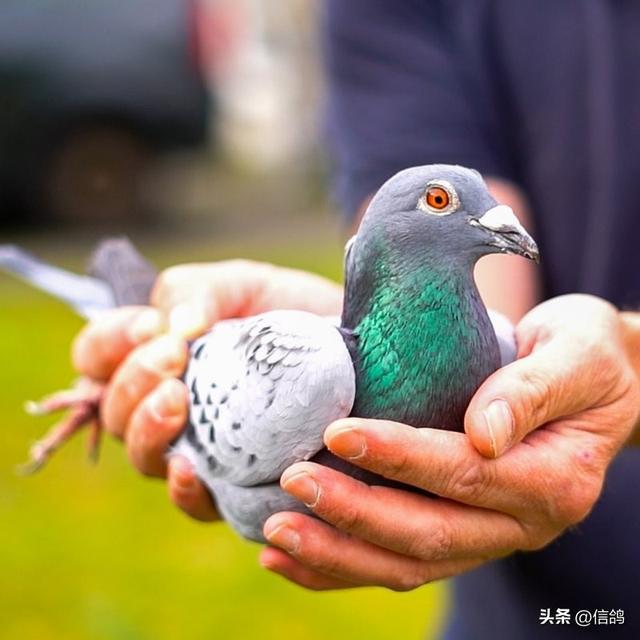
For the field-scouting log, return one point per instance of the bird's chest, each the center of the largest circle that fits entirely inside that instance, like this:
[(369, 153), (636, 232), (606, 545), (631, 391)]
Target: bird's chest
[(421, 359)]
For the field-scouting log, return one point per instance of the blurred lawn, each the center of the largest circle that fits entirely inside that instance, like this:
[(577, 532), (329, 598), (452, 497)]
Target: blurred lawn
[(97, 553)]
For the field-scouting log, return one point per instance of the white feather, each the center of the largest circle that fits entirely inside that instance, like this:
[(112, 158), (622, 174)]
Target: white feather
[(268, 386)]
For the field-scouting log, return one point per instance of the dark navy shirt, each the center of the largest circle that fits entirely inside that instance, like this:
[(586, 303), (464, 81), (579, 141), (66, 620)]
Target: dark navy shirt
[(545, 94)]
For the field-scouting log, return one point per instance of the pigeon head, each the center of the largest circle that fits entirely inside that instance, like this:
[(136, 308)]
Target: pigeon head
[(445, 210)]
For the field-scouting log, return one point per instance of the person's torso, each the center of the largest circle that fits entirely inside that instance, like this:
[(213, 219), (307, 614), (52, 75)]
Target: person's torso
[(564, 79)]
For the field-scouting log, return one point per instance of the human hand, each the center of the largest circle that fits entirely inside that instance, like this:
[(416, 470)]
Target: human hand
[(540, 434), (144, 404)]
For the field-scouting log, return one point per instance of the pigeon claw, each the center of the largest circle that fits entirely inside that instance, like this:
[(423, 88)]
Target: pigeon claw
[(83, 404)]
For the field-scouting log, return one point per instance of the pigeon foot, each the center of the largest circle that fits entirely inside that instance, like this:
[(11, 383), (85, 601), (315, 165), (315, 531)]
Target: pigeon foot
[(83, 404)]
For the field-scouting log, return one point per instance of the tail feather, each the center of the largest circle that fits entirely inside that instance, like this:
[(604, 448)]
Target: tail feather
[(119, 275), (129, 275), (86, 295)]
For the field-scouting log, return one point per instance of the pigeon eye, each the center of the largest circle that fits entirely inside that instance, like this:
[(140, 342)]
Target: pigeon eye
[(440, 198), (437, 198)]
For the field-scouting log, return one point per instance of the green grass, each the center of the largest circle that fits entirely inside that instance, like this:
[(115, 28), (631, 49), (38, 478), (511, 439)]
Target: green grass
[(99, 553)]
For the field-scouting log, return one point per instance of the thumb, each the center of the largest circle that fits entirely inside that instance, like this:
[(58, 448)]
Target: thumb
[(543, 386)]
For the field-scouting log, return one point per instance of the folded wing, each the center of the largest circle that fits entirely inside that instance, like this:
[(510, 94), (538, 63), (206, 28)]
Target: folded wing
[(506, 337), (263, 390)]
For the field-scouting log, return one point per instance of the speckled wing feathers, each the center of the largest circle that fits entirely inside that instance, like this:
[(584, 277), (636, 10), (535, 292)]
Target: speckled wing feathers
[(262, 392)]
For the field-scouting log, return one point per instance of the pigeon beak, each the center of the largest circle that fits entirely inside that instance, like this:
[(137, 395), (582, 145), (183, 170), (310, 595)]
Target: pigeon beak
[(507, 234)]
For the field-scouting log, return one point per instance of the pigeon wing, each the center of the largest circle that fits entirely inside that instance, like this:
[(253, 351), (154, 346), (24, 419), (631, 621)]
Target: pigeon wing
[(263, 390), (246, 509), (506, 337)]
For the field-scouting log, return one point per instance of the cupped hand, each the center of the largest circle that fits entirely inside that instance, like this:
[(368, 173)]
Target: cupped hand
[(140, 352), (540, 435)]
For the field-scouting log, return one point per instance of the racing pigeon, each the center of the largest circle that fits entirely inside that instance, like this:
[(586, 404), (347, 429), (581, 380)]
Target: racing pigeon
[(413, 344)]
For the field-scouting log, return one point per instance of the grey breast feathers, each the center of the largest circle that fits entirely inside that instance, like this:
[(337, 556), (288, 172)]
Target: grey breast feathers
[(262, 392)]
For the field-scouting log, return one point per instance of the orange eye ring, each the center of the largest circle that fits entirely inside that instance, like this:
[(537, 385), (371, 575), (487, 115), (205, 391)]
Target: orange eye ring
[(437, 198)]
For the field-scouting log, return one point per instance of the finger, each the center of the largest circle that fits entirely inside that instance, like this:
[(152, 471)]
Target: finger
[(104, 343), (188, 493), (288, 567), (404, 522), (189, 320), (554, 381), (322, 548), (140, 373), (434, 460), (155, 424), (201, 294), (446, 463)]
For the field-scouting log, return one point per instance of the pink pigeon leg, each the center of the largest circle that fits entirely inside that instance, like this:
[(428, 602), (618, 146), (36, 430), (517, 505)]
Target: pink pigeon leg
[(83, 403)]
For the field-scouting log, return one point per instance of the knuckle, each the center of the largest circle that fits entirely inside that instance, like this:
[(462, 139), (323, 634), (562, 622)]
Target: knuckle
[(535, 534), (320, 558), (186, 496), (87, 347), (139, 458), (409, 578), (130, 387), (79, 351), (574, 504), (92, 350), (163, 356), (397, 466), (144, 448), (187, 501), (604, 366), (344, 517), (122, 397), (113, 426), (439, 544), (472, 483), (180, 496), (170, 278), (169, 282), (540, 394), (538, 539)]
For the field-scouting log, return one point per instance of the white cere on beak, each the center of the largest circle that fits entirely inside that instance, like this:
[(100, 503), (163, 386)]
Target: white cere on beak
[(508, 235), (501, 218)]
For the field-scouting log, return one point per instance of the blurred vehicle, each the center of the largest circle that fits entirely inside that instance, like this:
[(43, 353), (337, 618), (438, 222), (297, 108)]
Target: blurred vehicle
[(90, 94)]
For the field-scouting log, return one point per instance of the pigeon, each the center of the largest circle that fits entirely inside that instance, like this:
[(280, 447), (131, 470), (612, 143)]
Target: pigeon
[(413, 344)]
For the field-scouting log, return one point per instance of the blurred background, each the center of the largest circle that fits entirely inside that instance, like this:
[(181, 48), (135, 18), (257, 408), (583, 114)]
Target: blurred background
[(195, 127)]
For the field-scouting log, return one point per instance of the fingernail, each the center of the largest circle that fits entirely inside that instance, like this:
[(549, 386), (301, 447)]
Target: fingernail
[(146, 325), (302, 486), (346, 442), (285, 538), (187, 320), (166, 401), (167, 352), (182, 472), (499, 422)]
